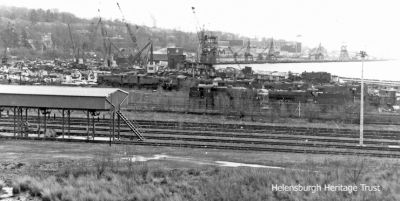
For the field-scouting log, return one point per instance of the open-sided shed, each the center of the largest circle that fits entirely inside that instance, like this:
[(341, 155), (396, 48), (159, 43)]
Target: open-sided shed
[(55, 97), (45, 99)]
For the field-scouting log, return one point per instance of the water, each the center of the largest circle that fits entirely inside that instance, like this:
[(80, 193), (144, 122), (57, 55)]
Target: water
[(381, 70), (137, 158)]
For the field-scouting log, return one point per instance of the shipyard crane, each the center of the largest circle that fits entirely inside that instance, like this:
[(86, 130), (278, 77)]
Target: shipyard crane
[(148, 58), (107, 44), (247, 53), (260, 55), (318, 54), (4, 59), (6, 42), (75, 48), (73, 43), (199, 31), (137, 56), (107, 47), (344, 54), (272, 54), (128, 28), (119, 52), (235, 54), (93, 35)]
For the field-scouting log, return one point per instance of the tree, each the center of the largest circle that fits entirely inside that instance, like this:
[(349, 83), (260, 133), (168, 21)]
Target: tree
[(24, 39), (48, 16), (33, 17), (9, 36)]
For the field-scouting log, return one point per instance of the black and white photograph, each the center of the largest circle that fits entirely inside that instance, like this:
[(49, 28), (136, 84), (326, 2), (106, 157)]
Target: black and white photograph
[(199, 100)]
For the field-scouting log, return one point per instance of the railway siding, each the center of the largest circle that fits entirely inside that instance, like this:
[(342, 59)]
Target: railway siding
[(225, 136)]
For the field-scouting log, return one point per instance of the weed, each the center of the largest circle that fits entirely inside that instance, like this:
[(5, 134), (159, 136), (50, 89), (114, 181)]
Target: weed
[(108, 179), (2, 184)]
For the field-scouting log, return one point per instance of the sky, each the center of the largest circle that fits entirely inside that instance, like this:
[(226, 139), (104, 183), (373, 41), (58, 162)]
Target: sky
[(368, 25)]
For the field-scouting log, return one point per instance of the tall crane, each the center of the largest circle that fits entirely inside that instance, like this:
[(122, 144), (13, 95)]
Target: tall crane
[(208, 45), (137, 57), (199, 32), (235, 54), (93, 35), (344, 54), (128, 28), (73, 43), (148, 57), (272, 54), (107, 53), (108, 60), (247, 53), (318, 54), (260, 55), (6, 41)]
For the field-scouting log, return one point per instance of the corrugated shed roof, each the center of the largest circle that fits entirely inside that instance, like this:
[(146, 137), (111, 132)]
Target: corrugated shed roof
[(57, 90)]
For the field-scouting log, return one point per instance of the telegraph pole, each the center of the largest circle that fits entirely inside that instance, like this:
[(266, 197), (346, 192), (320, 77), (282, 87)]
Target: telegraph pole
[(363, 54)]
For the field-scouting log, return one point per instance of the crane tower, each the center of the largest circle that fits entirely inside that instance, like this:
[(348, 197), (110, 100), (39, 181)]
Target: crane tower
[(344, 54)]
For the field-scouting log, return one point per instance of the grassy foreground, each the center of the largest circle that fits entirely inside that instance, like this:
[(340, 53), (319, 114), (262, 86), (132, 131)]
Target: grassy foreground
[(80, 171), (105, 178)]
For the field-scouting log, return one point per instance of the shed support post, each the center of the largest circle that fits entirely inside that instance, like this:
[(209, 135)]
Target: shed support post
[(110, 130), (14, 122), (88, 125), (26, 125), (119, 126), (20, 122), (94, 126), (113, 124), (26, 129), (45, 122), (38, 113), (63, 123), (69, 123)]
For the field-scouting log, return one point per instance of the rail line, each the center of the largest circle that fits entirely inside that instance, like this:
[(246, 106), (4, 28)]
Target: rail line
[(380, 143), (225, 147)]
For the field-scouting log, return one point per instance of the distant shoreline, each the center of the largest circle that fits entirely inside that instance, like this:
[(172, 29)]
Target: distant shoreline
[(299, 61)]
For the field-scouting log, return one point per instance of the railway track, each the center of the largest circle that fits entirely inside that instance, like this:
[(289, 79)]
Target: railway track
[(225, 147), (380, 143)]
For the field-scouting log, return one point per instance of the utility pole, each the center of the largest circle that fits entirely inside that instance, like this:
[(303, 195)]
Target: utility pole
[(363, 54)]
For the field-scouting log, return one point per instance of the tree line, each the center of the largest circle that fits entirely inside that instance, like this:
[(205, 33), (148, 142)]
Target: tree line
[(22, 28)]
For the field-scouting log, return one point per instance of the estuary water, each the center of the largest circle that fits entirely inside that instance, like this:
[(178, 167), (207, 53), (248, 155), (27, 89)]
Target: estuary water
[(381, 70)]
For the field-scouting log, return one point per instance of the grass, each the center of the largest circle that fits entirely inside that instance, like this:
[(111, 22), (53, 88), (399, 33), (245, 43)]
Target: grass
[(98, 172), (150, 181), (2, 184), (108, 177)]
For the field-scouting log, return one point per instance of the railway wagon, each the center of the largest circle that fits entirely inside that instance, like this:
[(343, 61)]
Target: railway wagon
[(145, 80), (129, 80), (110, 80)]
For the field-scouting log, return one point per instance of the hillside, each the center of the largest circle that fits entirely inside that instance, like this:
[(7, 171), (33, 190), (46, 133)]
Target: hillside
[(24, 31)]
